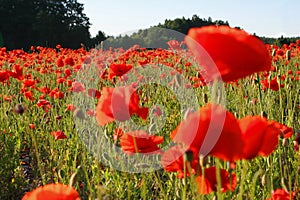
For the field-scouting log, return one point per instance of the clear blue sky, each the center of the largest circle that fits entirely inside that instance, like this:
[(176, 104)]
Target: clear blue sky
[(263, 17)]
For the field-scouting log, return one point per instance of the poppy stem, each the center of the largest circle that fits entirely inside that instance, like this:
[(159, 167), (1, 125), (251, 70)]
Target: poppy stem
[(218, 91), (219, 181), (260, 94)]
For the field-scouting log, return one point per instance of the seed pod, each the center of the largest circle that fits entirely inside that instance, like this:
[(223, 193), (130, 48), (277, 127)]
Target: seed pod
[(189, 156), (177, 80), (152, 128), (19, 109), (288, 55), (79, 113), (264, 180), (273, 52)]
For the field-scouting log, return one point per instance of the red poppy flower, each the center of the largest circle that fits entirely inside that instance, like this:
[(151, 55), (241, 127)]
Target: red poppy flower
[(172, 160), (285, 131), (281, 194), (68, 72), (273, 84), (118, 104), (60, 62), (29, 95), (207, 182), (174, 44), (70, 107), (17, 72), (157, 111), (140, 142), (227, 53), (51, 192), (58, 95), (45, 90), (60, 80), (118, 70), (118, 132), (94, 93), (31, 126), (91, 113), (28, 83), (77, 87), (69, 61), (42, 103), (7, 98), (58, 135), (218, 128), (260, 136), (4, 76)]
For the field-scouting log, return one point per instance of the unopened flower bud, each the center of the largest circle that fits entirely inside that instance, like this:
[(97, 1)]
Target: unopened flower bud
[(19, 109), (79, 113)]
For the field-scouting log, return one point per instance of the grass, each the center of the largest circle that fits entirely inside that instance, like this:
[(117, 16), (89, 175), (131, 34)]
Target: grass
[(69, 161)]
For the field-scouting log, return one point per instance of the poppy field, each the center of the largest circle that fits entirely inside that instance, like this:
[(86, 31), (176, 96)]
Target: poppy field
[(216, 116)]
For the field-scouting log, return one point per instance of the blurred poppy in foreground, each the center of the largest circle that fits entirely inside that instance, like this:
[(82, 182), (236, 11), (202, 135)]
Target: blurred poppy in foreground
[(211, 130), (120, 104), (140, 142), (176, 159), (227, 53), (285, 131), (281, 194), (259, 135), (52, 192), (216, 132), (207, 182)]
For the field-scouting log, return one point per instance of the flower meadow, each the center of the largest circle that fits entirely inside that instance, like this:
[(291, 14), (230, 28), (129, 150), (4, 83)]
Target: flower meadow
[(216, 116)]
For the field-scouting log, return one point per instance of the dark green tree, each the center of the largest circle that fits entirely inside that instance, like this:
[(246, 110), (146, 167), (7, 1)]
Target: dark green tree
[(43, 22)]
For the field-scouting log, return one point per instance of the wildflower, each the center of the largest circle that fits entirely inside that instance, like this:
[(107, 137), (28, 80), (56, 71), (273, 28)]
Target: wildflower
[(260, 136), (227, 53), (281, 194), (217, 127), (51, 192), (207, 182), (44, 104), (58, 135), (118, 104), (173, 160), (118, 70), (140, 142)]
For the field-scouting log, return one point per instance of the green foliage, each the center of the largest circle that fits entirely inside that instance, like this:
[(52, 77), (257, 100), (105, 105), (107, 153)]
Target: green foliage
[(279, 41), (42, 22)]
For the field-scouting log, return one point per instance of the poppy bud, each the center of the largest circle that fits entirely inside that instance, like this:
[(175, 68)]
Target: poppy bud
[(19, 109), (79, 113), (59, 117), (288, 54), (152, 128), (264, 180), (284, 142), (273, 52), (188, 156), (177, 80), (297, 141), (205, 98)]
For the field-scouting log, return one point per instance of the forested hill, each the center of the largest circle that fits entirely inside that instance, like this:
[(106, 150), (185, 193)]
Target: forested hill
[(159, 35)]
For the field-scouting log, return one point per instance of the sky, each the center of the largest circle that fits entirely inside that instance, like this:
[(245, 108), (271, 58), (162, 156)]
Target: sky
[(270, 18)]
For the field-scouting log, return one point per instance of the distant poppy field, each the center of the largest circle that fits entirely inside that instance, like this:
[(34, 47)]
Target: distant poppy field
[(216, 116)]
